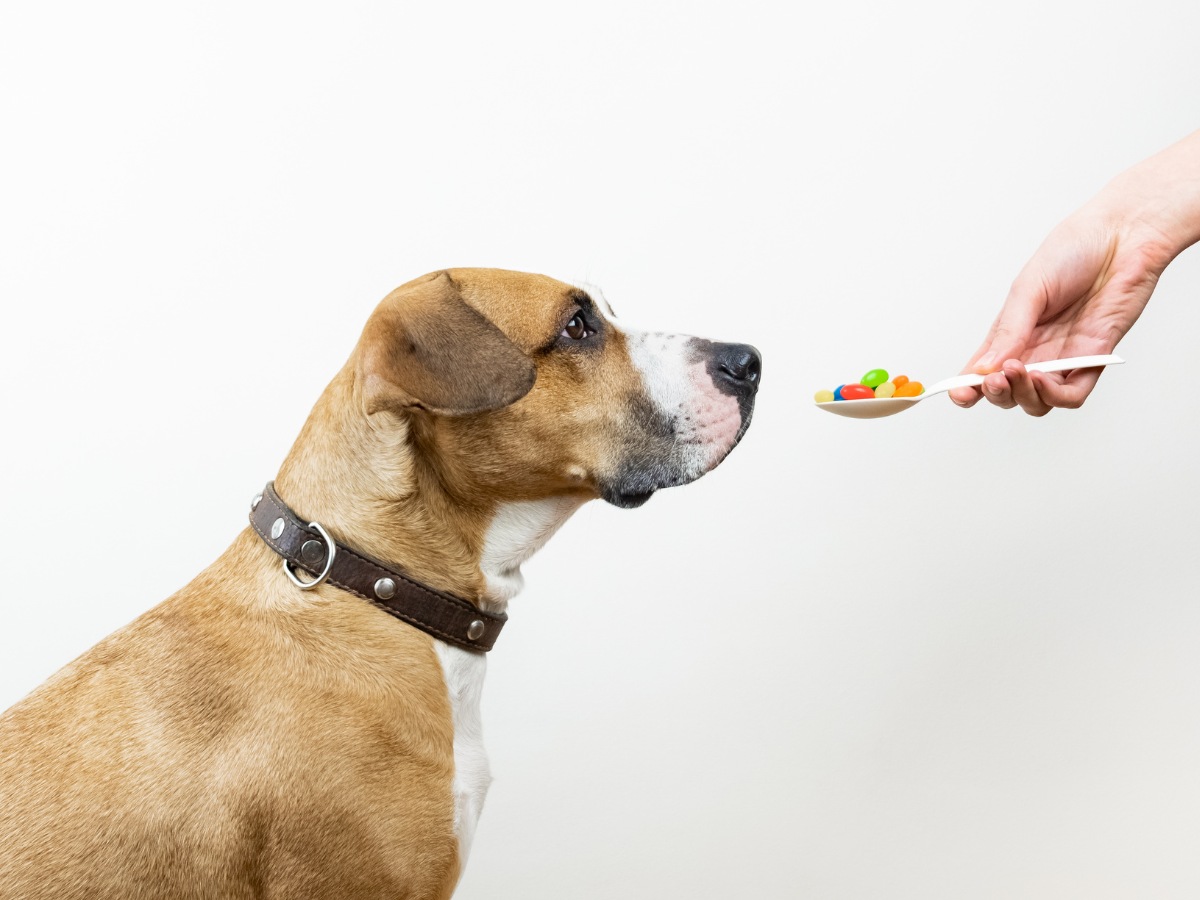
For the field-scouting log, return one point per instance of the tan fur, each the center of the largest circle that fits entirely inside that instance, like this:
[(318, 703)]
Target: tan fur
[(233, 739), (246, 739)]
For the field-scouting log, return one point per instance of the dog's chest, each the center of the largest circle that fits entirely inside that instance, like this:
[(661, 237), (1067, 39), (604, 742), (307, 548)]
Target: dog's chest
[(464, 671), (517, 530)]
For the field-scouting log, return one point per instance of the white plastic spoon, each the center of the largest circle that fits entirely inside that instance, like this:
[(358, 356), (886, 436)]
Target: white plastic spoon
[(877, 409)]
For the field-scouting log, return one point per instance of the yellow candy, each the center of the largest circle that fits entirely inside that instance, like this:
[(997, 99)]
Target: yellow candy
[(823, 396), (885, 390)]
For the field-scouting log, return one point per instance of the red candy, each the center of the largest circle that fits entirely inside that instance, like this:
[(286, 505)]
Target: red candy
[(857, 392)]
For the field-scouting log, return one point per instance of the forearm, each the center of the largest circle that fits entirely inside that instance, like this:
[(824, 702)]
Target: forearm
[(1159, 199)]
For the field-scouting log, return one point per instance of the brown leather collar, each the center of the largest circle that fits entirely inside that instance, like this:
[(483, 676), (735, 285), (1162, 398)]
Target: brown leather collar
[(307, 546)]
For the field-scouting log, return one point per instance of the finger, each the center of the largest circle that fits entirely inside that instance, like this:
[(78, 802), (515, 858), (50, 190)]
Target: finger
[(1010, 332), (1024, 392), (997, 391), (1069, 393), (966, 397)]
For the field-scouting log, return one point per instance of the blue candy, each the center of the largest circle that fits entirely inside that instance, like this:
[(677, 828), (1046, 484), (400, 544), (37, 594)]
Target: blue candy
[(837, 392)]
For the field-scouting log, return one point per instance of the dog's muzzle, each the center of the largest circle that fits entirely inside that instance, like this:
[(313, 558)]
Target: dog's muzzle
[(693, 421)]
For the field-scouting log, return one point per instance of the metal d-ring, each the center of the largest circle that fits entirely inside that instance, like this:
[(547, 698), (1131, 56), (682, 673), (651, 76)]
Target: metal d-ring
[(309, 585)]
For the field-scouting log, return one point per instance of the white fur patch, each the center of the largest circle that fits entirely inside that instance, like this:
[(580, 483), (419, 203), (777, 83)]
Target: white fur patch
[(464, 671), (517, 531)]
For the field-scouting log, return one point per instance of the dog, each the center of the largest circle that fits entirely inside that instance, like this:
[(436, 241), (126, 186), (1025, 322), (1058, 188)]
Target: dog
[(266, 733)]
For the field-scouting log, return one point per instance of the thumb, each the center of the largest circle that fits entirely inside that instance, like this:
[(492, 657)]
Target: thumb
[(1012, 329)]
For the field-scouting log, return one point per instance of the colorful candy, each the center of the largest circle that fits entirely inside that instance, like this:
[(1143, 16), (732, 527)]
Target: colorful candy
[(857, 392), (875, 385), (875, 378)]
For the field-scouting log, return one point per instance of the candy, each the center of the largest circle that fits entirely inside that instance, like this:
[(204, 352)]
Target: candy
[(875, 378), (875, 385), (857, 392)]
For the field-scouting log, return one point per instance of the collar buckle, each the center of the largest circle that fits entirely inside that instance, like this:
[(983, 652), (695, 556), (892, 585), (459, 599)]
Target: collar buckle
[(331, 548)]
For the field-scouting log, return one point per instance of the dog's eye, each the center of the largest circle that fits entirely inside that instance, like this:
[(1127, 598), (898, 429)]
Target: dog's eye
[(577, 329)]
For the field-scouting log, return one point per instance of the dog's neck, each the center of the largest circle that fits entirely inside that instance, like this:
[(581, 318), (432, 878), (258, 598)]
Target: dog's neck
[(391, 506), (517, 531)]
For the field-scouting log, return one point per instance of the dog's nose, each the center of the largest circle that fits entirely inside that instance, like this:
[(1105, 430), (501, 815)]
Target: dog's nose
[(738, 367)]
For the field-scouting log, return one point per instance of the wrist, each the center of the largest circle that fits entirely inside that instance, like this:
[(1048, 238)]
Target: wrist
[(1158, 200)]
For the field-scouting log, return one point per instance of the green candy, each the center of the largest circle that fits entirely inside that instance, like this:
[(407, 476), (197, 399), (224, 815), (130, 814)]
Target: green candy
[(874, 378)]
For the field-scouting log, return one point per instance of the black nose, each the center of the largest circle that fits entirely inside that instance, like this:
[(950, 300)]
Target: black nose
[(737, 368)]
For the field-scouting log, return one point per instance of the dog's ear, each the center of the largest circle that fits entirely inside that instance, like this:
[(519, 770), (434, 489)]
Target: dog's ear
[(426, 348)]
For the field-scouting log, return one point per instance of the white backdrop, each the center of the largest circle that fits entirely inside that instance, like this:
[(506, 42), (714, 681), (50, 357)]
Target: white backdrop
[(952, 654)]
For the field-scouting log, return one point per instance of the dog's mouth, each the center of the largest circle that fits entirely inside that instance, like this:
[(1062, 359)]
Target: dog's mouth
[(638, 483), (680, 459), (626, 499)]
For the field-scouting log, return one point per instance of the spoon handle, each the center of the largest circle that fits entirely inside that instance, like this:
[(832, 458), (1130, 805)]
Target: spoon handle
[(1075, 362), (1050, 365)]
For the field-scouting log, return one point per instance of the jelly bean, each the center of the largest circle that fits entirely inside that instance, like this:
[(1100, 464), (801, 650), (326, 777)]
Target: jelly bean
[(837, 392), (885, 390), (875, 378), (910, 389), (857, 392), (899, 381), (823, 396)]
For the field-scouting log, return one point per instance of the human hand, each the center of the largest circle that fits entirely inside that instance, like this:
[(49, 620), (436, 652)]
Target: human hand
[(1088, 283)]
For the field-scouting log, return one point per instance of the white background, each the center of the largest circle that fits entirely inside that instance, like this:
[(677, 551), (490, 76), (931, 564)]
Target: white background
[(951, 654)]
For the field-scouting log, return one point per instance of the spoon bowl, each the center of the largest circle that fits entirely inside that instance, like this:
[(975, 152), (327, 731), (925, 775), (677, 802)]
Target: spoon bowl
[(877, 409)]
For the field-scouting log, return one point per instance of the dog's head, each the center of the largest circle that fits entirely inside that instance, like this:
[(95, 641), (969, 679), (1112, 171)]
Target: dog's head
[(526, 388)]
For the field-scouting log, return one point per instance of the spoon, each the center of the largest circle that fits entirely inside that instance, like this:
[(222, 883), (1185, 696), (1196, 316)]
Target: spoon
[(877, 409)]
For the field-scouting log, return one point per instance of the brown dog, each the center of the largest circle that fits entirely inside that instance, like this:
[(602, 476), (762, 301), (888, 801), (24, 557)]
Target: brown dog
[(246, 738)]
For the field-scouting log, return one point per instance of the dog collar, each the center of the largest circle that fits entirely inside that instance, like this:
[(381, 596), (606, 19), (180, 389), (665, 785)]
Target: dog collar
[(309, 547)]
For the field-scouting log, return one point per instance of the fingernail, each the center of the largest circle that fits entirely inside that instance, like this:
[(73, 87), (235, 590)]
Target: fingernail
[(984, 363)]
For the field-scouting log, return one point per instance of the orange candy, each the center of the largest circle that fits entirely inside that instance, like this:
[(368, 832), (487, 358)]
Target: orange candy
[(899, 381), (909, 389)]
